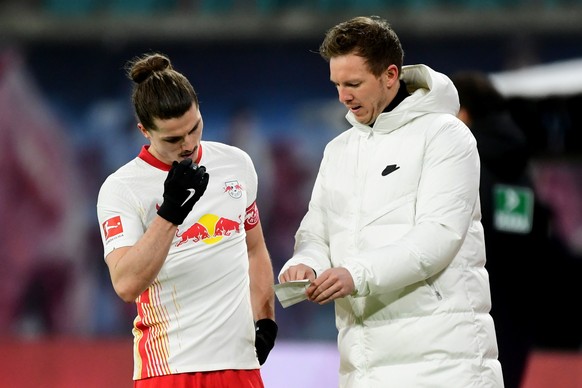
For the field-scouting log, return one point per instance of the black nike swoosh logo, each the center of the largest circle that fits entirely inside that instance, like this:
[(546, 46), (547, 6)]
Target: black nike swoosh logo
[(389, 169)]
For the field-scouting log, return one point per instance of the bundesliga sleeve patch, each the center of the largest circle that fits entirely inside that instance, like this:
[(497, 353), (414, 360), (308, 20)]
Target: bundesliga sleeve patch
[(252, 216), (112, 227)]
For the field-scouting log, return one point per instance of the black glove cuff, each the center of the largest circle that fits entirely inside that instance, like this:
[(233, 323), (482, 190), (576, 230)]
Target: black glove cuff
[(266, 332), (267, 326), (172, 212)]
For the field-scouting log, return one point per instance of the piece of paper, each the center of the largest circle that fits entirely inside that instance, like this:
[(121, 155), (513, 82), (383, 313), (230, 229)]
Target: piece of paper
[(290, 293)]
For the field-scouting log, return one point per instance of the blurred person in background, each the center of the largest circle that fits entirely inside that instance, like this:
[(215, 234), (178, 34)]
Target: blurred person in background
[(518, 227), (244, 132), (393, 233), (183, 240), (510, 237)]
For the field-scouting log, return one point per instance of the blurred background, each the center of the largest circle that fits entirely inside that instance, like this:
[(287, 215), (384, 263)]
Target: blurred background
[(66, 122)]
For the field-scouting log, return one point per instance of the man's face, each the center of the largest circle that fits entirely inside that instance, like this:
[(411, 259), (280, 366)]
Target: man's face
[(176, 139), (359, 90)]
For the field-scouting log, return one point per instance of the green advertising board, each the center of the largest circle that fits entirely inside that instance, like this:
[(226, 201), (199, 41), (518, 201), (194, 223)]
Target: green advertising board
[(513, 211)]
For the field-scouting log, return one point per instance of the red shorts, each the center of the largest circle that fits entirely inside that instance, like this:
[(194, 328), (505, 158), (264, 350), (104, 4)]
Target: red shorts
[(215, 379)]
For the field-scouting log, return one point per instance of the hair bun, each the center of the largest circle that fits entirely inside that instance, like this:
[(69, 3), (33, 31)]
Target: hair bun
[(144, 67)]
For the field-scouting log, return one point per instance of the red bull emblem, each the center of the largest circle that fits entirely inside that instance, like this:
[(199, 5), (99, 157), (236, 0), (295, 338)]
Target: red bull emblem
[(233, 188), (112, 227), (196, 232), (226, 227), (209, 229)]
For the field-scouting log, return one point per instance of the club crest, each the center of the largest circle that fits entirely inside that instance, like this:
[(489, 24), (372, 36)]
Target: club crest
[(233, 188)]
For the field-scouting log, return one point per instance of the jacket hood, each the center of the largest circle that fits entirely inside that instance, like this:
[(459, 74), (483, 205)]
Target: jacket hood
[(431, 92)]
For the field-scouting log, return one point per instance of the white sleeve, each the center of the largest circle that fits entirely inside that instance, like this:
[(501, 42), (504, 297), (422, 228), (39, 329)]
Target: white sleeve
[(120, 218)]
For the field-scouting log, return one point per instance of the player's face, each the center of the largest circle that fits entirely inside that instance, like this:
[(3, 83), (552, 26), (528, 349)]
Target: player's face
[(363, 93), (178, 138)]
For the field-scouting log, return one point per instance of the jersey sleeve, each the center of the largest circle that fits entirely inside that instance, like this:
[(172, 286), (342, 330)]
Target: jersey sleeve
[(252, 211), (118, 213)]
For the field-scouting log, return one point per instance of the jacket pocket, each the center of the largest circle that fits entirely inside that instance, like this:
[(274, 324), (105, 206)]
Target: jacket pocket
[(399, 211)]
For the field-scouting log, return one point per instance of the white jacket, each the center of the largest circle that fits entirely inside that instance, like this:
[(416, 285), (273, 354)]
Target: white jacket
[(412, 239)]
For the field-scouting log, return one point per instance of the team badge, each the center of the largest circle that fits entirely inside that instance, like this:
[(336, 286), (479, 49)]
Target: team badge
[(233, 188)]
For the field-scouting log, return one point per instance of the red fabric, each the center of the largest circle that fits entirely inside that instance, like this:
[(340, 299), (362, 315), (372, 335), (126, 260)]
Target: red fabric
[(215, 379)]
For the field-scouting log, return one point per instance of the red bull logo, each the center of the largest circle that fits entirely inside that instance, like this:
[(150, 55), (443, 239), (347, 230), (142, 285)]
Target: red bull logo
[(233, 188), (209, 229)]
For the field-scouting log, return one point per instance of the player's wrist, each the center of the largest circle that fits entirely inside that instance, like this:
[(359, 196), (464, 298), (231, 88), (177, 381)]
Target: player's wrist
[(172, 212)]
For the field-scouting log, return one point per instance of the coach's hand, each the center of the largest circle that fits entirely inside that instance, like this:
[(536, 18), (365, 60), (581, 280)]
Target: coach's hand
[(183, 187), (266, 332)]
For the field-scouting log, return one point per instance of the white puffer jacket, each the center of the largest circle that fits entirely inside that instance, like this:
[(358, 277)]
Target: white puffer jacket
[(413, 242)]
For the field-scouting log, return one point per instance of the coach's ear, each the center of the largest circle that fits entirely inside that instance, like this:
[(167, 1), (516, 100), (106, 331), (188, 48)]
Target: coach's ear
[(391, 76)]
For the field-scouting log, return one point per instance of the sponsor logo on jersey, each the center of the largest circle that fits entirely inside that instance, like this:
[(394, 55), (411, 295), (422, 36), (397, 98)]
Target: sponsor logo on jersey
[(209, 229), (112, 227)]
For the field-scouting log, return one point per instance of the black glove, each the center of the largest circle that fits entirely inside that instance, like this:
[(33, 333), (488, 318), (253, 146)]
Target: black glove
[(266, 332), (183, 187)]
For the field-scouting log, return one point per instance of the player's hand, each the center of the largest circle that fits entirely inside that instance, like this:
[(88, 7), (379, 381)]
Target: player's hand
[(183, 187), (297, 272), (266, 332)]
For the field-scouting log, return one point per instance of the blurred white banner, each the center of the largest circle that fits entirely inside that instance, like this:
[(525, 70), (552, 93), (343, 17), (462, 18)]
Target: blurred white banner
[(552, 79)]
